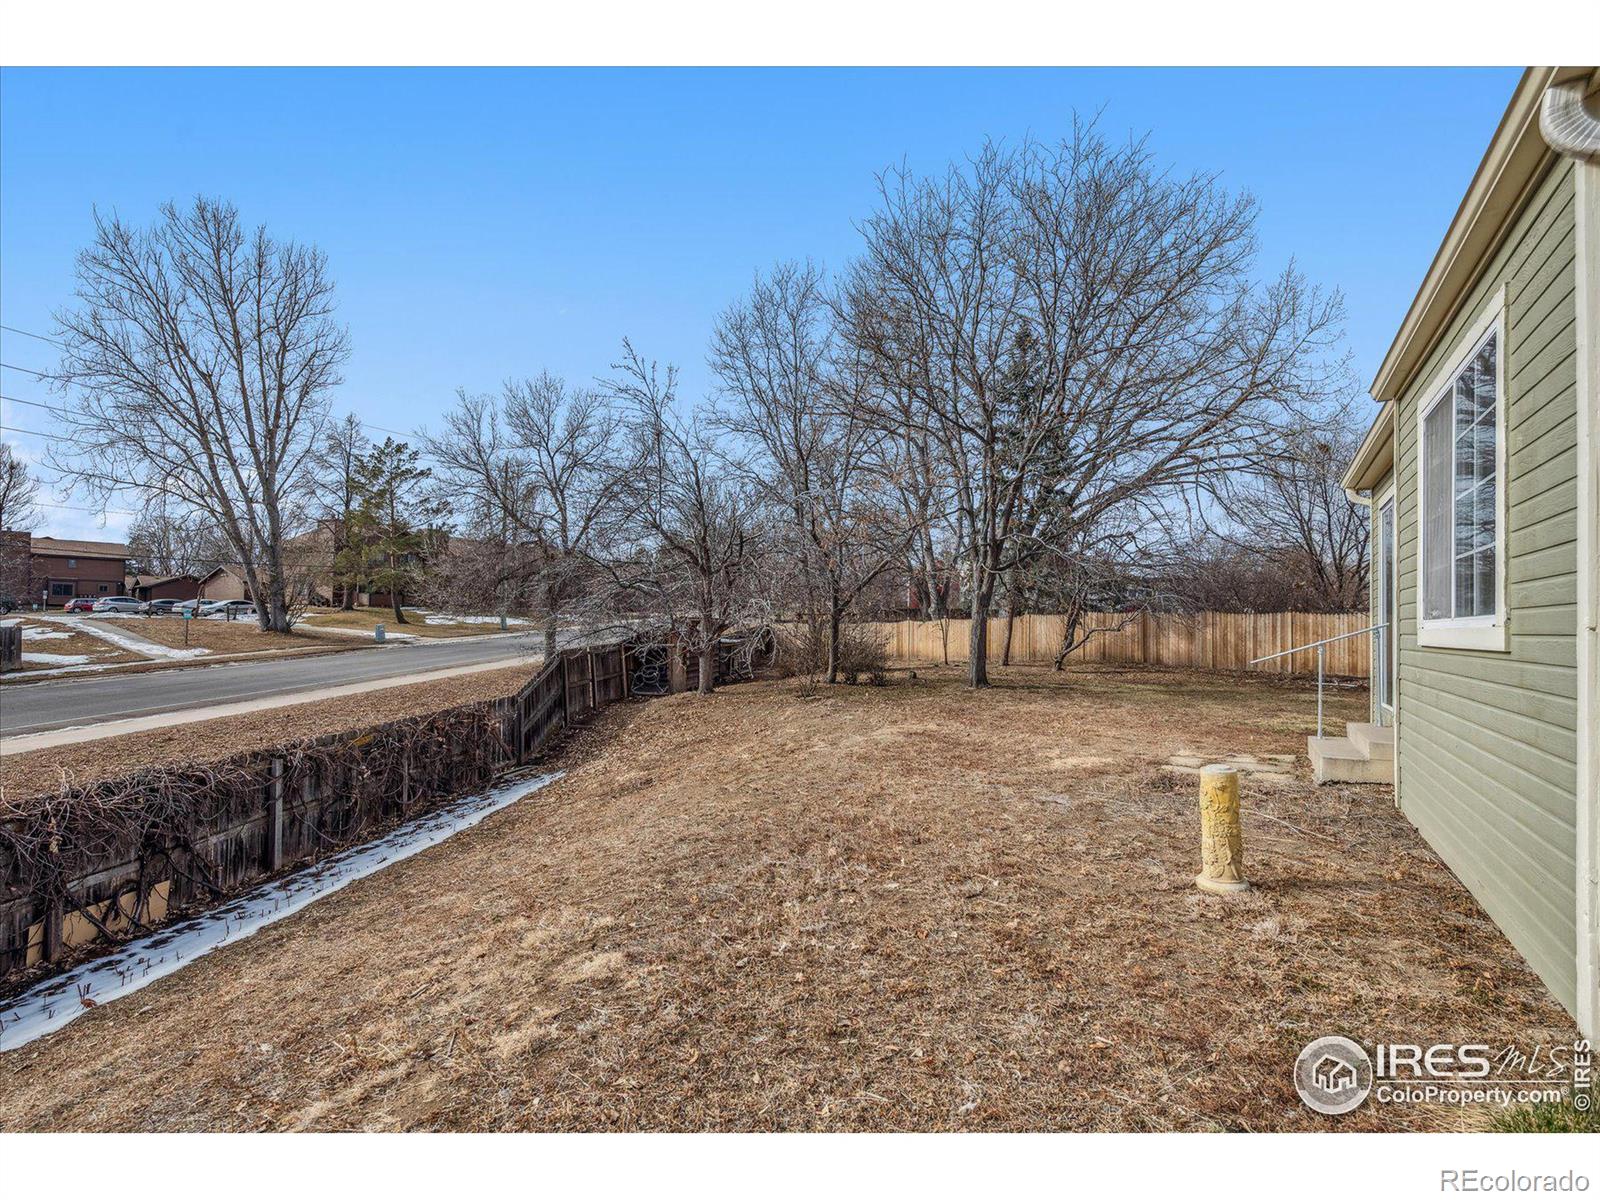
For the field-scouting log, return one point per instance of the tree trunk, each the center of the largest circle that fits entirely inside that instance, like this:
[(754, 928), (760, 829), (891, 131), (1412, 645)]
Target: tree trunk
[(394, 593), (978, 645), (833, 642), (1011, 616), (273, 616), (550, 638), (983, 581), (708, 659), (1069, 633)]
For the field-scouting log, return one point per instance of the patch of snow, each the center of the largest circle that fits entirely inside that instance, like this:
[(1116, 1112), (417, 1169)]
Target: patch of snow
[(389, 635), (447, 619), (55, 660), (35, 676), (59, 1000), (33, 634), (96, 626)]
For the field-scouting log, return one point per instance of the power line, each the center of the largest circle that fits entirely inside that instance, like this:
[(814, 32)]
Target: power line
[(97, 388), (120, 512), (40, 336), (29, 370), (411, 436), (36, 433), (60, 412)]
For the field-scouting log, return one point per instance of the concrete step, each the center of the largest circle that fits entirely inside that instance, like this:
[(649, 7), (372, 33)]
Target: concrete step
[(1340, 760), (1375, 741)]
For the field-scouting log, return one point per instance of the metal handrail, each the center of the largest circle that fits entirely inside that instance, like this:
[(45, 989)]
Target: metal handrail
[(1338, 637), (1321, 649)]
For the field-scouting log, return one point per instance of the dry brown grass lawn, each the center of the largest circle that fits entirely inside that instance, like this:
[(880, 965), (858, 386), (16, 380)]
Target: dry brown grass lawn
[(240, 635), (889, 908)]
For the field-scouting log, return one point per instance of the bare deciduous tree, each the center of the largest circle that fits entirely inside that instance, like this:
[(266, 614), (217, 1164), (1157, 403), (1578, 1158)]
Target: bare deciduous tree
[(537, 467), (1294, 515), (202, 356), (19, 492), (335, 480), (166, 539), (688, 539), (794, 395), (1070, 321)]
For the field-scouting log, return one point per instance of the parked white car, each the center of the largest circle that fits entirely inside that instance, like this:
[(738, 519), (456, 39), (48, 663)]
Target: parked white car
[(226, 608), (120, 604)]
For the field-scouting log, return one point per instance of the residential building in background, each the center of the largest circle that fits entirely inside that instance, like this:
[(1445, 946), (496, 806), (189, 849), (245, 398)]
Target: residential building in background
[(58, 569)]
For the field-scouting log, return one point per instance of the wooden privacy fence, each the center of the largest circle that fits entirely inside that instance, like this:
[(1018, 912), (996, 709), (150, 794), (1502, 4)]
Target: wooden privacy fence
[(107, 858), (1209, 641)]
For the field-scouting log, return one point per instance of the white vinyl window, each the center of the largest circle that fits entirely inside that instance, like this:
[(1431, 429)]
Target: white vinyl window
[(1461, 495)]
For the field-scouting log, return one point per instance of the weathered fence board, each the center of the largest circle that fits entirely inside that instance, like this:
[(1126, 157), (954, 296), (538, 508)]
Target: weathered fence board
[(1211, 641), (10, 647)]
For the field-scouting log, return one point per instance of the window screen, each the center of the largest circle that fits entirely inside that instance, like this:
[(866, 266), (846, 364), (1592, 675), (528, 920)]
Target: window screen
[(1460, 493)]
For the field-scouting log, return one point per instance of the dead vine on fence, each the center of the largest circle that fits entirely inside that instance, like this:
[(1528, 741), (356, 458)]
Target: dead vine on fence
[(161, 816)]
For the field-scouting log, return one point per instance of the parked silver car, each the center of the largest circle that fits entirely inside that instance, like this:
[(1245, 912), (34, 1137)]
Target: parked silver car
[(225, 608), (120, 604)]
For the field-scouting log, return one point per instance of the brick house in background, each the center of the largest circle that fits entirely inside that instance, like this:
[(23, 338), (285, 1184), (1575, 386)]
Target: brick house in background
[(60, 568), (163, 587)]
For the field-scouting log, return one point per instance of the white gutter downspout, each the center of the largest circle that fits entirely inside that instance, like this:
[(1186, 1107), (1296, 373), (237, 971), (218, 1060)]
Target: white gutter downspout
[(1566, 124), (1573, 131)]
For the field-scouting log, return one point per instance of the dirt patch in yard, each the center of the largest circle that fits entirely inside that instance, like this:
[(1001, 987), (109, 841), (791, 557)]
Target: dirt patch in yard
[(899, 908), (48, 770)]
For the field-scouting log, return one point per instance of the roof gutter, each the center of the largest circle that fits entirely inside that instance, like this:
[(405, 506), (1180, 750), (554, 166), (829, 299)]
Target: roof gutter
[(1374, 459)]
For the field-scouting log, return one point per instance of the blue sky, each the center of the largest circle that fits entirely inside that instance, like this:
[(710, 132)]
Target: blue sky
[(486, 223)]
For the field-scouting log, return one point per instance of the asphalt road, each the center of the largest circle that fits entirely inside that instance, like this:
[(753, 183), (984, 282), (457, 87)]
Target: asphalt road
[(87, 699)]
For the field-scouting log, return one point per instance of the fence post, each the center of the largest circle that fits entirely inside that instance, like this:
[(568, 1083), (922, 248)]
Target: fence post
[(594, 689), (52, 931), (275, 818)]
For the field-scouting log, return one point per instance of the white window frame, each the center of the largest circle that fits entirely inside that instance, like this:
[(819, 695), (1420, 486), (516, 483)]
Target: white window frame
[(1491, 630)]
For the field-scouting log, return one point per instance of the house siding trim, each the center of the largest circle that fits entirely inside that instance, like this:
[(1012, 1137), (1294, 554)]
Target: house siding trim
[(1586, 302)]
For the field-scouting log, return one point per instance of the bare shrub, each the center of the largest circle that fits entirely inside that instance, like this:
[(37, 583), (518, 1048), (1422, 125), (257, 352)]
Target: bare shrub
[(802, 652)]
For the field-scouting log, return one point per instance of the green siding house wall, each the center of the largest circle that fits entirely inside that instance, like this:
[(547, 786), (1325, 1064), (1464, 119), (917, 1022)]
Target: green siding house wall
[(1487, 740)]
